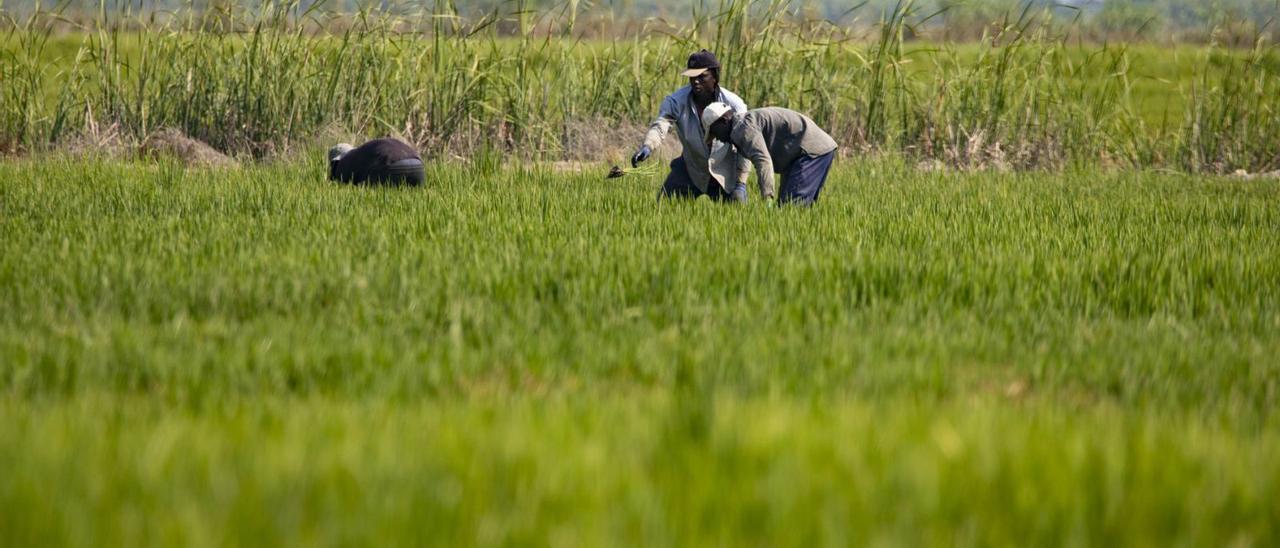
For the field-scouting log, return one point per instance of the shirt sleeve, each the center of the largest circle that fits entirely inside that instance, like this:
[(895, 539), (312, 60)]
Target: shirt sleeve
[(752, 148), (744, 169), (661, 125)]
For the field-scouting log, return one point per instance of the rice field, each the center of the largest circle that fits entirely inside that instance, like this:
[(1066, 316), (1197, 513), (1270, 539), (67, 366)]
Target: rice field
[(1036, 304), (257, 357)]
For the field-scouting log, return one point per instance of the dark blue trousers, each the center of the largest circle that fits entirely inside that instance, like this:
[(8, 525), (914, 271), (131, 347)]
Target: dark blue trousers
[(679, 185), (804, 179)]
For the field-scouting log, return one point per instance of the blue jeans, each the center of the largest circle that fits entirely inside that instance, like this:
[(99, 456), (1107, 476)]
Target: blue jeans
[(805, 178), (679, 185)]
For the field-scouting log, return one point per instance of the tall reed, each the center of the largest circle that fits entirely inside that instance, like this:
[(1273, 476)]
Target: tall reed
[(1233, 119)]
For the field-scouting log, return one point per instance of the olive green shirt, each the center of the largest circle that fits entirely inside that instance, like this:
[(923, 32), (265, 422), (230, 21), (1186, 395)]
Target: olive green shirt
[(772, 138)]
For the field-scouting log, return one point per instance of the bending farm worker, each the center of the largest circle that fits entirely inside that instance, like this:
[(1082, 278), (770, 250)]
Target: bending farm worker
[(776, 140), (378, 161), (690, 176)]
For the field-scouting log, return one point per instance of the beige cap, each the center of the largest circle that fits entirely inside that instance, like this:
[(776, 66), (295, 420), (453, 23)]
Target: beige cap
[(713, 112)]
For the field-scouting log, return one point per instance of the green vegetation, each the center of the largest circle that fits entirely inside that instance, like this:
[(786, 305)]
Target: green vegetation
[(1128, 16), (254, 357), (1026, 311), (256, 83)]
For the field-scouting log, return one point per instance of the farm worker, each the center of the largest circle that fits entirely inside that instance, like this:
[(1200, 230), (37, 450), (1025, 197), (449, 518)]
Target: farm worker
[(776, 140), (690, 176), (377, 161)]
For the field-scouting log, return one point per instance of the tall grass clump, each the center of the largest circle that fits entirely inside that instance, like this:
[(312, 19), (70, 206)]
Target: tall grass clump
[(1026, 101), (1233, 117), (38, 97)]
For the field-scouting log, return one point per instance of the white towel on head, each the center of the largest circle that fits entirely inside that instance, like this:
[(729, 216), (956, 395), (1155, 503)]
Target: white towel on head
[(339, 150), (722, 165)]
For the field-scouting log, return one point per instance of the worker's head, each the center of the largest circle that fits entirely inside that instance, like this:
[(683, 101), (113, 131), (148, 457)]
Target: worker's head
[(338, 151), (717, 120), (703, 72)]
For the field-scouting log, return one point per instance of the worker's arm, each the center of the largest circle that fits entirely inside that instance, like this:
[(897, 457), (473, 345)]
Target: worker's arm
[(751, 145), (744, 169), (660, 125)]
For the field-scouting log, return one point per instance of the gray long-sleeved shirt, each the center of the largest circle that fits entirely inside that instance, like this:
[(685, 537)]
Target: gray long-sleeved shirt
[(772, 138), (678, 109)]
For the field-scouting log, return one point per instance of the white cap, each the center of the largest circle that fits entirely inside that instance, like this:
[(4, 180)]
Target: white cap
[(712, 113), (339, 150)]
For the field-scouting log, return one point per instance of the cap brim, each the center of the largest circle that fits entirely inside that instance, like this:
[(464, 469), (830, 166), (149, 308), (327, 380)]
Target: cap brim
[(693, 72)]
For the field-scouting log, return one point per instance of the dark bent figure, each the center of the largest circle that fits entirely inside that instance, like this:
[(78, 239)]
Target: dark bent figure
[(376, 162)]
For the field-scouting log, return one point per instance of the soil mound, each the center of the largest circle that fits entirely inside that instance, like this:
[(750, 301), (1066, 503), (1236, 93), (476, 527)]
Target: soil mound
[(171, 143)]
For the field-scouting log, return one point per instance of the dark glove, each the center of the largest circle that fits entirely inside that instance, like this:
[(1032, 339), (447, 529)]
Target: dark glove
[(641, 155)]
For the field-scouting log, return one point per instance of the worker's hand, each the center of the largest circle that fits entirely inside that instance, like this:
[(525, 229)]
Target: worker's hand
[(641, 155)]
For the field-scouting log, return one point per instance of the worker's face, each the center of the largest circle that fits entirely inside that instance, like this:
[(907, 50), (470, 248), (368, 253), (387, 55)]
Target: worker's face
[(720, 129), (704, 85)]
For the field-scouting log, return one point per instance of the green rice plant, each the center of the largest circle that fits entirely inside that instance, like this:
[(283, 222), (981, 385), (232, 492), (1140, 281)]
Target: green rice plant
[(256, 356), (1005, 270)]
